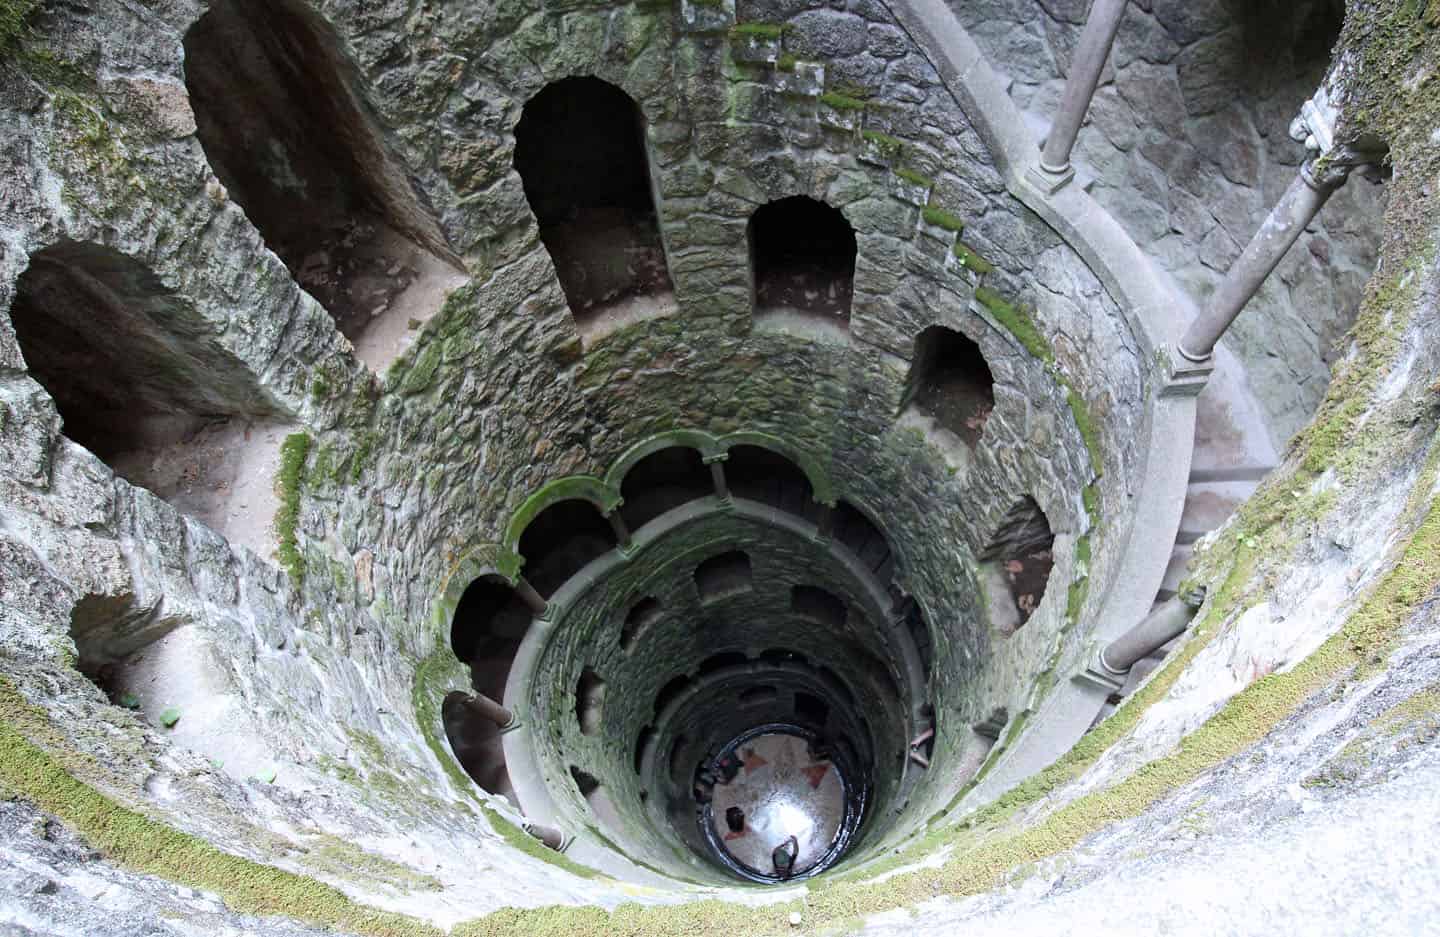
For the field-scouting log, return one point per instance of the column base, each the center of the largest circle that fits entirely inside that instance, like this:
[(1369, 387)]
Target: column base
[(1047, 180), (1184, 377), (1098, 675)]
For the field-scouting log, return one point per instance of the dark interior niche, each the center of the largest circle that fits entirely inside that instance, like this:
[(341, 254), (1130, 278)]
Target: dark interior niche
[(724, 575), (855, 531), (721, 661), (811, 710), (476, 743), (755, 695), (818, 605), (560, 540), (589, 701), (670, 692), (489, 623), (1022, 553), (642, 615), (781, 655), (758, 474), (950, 382), (135, 372), (644, 744), (281, 120), (580, 152), (585, 782), (919, 630), (661, 481), (802, 254), (676, 761)]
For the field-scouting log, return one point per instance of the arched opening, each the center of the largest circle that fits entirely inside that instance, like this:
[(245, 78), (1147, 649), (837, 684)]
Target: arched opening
[(596, 797), (585, 782), (722, 576), (855, 531), (919, 631), (1019, 556), (670, 692), (811, 710), (560, 540), (643, 614), (476, 743), (589, 701), (490, 622), (675, 763), (756, 695), (717, 662), (802, 256), (282, 122), (951, 383), (818, 605), (661, 481), (580, 151), (644, 744), (758, 474), (137, 374), (782, 655)]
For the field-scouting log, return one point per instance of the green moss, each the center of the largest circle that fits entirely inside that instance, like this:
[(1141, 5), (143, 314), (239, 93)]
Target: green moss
[(421, 372), (765, 31), (940, 218), (851, 90), (330, 855), (293, 452), (1089, 431), (319, 389), (15, 22), (1090, 497), (914, 178), (885, 145), (841, 102), (971, 260), (364, 449), (1017, 322), (786, 62), (141, 844)]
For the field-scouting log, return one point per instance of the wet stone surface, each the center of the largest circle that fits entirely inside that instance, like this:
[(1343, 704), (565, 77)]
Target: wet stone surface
[(783, 791)]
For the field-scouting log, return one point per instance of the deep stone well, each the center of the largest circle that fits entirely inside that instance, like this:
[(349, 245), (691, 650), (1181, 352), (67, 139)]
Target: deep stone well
[(785, 399)]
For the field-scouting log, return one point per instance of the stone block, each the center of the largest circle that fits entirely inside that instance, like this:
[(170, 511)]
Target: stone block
[(803, 79), (707, 16)]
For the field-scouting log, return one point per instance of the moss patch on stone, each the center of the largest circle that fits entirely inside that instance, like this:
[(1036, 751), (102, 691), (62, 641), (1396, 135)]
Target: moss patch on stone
[(765, 31), (841, 102), (293, 452), (137, 842), (938, 217), (914, 178), (15, 22), (971, 260), (1017, 322)]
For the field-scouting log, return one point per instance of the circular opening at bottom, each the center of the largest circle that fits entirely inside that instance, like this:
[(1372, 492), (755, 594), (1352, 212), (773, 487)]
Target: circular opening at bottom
[(781, 806)]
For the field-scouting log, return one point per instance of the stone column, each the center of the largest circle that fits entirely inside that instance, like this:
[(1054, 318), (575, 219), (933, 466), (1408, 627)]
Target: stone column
[(1159, 628), (532, 599), (1287, 221), (825, 523), (622, 530), (1086, 65), (548, 835), (717, 475), (1327, 169), (486, 708)]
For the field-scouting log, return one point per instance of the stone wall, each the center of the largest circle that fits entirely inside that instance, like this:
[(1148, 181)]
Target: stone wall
[(1187, 145), (407, 472)]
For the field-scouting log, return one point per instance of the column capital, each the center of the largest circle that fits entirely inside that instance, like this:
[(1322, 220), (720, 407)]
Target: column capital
[(1330, 161)]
